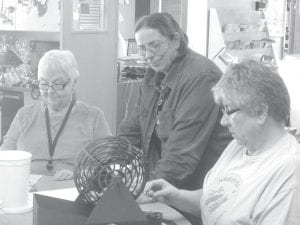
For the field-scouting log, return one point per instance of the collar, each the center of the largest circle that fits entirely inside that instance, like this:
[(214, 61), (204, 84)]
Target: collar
[(173, 75)]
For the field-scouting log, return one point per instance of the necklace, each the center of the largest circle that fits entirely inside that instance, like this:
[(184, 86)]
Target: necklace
[(52, 144)]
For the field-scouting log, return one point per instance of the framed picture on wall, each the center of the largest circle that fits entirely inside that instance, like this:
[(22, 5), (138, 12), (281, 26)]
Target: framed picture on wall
[(89, 15)]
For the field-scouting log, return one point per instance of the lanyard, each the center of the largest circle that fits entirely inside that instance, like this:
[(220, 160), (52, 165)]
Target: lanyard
[(51, 144)]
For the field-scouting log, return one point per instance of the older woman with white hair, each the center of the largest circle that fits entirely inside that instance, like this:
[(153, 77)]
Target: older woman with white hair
[(55, 129), (256, 181)]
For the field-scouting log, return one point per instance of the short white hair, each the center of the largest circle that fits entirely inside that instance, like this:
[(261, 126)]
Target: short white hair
[(55, 61)]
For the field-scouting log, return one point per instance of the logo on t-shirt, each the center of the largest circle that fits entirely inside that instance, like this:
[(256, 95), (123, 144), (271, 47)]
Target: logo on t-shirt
[(220, 195)]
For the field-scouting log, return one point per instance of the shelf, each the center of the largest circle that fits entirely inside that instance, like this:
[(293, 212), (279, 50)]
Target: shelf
[(15, 89), (35, 35), (131, 69), (253, 50), (255, 53), (246, 36)]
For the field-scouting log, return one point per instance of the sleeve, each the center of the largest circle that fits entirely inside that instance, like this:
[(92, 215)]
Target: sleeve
[(130, 127), (101, 128), (284, 191), (283, 210), (11, 138), (195, 118)]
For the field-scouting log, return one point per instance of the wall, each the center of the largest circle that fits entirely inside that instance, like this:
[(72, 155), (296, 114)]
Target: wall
[(289, 70), (126, 25), (296, 49), (229, 11), (96, 54), (197, 25), (127, 18), (232, 4)]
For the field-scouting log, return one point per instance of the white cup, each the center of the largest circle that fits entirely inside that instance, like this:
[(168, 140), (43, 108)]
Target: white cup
[(14, 180)]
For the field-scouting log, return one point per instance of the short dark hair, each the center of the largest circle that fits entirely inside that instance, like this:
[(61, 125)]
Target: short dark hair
[(251, 84), (165, 24)]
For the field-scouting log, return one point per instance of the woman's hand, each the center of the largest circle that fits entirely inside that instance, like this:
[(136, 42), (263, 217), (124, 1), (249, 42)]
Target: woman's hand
[(63, 175), (162, 191), (144, 199)]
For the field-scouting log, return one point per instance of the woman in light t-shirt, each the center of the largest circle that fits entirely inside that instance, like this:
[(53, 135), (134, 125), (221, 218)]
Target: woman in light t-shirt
[(256, 181)]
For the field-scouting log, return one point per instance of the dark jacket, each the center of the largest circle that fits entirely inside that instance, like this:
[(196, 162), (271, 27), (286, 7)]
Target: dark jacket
[(191, 137)]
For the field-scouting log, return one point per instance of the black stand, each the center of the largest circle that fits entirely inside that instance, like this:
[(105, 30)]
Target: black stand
[(117, 206)]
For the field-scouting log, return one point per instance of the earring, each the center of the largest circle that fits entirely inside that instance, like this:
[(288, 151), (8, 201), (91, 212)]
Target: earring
[(35, 92)]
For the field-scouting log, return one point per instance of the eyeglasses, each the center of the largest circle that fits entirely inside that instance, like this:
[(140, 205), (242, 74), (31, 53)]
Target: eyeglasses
[(229, 112), (55, 86), (153, 47)]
